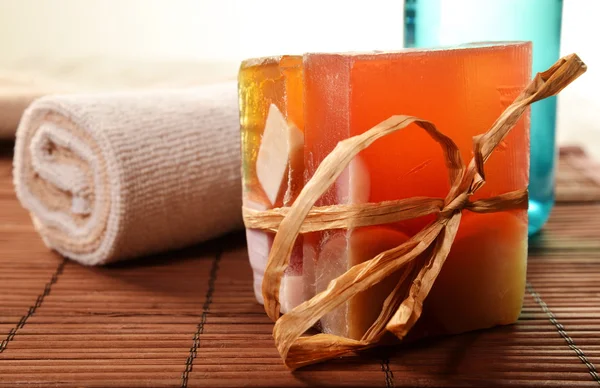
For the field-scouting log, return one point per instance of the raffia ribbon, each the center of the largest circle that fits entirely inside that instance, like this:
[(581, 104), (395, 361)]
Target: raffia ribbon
[(421, 257)]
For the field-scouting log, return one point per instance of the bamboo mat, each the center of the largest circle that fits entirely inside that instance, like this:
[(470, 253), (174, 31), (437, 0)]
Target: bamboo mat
[(189, 318)]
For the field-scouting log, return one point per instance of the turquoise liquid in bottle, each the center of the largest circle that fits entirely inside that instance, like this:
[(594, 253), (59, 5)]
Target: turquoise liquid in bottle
[(430, 23)]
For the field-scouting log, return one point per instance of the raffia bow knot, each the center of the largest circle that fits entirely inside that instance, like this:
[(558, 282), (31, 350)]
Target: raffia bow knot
[(457, 204), (420, 265)]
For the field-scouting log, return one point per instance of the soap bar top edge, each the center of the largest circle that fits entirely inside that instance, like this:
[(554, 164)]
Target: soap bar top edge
[(280, 60), (264, 61), (467, 46)]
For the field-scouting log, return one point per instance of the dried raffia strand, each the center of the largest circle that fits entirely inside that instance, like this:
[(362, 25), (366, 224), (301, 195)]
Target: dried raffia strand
[(421, 258), (346, 216)]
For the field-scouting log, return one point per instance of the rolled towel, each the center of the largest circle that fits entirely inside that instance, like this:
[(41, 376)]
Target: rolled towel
[(116, 176)]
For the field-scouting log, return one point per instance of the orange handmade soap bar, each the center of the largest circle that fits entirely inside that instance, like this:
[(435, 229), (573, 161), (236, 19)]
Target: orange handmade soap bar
[(462, 90)]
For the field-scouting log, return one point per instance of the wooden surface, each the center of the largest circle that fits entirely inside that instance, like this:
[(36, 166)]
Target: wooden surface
[(189, 318)]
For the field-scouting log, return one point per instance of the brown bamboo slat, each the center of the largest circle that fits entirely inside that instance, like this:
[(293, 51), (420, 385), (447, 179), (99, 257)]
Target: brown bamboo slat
[(189, 318)]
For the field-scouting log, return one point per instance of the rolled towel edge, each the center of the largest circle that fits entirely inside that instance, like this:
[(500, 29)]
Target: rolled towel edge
[(69, 246)]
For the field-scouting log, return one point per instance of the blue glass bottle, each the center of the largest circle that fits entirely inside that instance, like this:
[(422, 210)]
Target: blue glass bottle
[(430, 23)]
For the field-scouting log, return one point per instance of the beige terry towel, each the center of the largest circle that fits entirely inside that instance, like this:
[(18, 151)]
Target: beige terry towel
[(116, 176)]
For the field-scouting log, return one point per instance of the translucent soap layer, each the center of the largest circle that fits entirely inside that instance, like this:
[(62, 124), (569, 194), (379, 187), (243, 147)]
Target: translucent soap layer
[(270, 91), (262, 83)]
